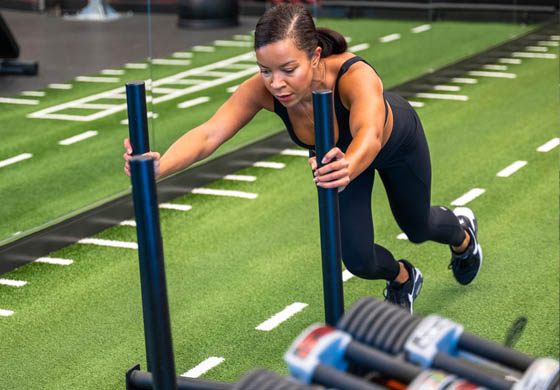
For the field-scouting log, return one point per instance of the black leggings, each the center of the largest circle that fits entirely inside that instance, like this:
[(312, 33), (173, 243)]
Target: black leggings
[(405, 169)]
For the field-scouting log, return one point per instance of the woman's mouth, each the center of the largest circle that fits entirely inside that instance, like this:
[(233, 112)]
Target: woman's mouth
[(284, 98)]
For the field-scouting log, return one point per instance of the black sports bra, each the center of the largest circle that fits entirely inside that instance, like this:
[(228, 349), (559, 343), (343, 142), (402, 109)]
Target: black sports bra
[(342, 114)]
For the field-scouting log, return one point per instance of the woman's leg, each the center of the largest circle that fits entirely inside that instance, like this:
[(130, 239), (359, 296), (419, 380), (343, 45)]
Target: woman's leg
[(360, 254), (407, 181)]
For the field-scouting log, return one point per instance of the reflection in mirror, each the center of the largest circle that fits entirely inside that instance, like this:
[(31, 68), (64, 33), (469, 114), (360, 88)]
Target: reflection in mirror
[(63, 127)]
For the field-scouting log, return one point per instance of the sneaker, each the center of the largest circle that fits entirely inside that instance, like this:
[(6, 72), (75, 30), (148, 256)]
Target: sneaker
[(465, 266), (404, 294)]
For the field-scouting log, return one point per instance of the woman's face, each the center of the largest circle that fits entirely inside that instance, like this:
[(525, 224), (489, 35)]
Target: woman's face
[(286, 71)]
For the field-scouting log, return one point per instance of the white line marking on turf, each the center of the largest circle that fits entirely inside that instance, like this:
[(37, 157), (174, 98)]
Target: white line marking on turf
[(111, 243), (54, 260), (282, 316), (295, 152), (360, 47), (389, 38), (15, 159), (60, 86), (171, 206), (422, 28), (94, 106), (415, 104), (136, 66), (540, 49), (88, 79), (554, 37), (522, 54), (6, 313), (235, 194), (244, 37), (347, 275), (492, 74), (232, 89), (494, 67), (402, 236), (240, 178), (464, 80), (443, 96), (128, 222), (207, 49), (49, 113), (204, 367), (549, 43), (164, 90), (182, 54), (466, 198), (78, 138), (348, 39), (112, 72), (33, 93), (511, 169), (163, 61), (549, 145), (12, 283), (449, 88), (269, 164), (31, 102), (515, 61), (194, 102), (233, 43)]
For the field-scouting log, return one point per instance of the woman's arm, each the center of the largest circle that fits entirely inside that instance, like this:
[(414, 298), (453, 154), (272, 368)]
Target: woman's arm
[(203, 140), (361, 91)]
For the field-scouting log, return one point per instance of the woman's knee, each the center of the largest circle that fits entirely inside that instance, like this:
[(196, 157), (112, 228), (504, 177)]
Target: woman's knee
[(417, 236)]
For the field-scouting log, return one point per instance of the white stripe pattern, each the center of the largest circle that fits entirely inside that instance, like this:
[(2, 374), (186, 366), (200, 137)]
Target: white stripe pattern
[(163, 61), (360, 47), (60, 86), (33, 93), (469, 196), (171, 206), (515, 61), (402, 236), (128, 222), (112, 72), (88, 79), (204, 367), (29, 102), (494, 67), (511, 169), (235, 194), (208, 49), (482, 73), (233, 43), (522, 54), (347, 275), (415, 104), (464, 80), (422, 28), (182, 54), (549, 145), (389, 38), (442, 96), (295, 152), (78, 138), (109, 243), (193, 102), (54, 260), (12, 283), (6, 313), (13, 160), (136, 66), (240, 178), (282, 316), (269, 164)]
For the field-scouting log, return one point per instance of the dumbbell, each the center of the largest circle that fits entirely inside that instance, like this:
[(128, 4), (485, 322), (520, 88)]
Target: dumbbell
[(432, 342)]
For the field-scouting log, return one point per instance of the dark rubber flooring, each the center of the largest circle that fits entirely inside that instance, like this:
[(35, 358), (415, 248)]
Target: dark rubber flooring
[(66, 49)]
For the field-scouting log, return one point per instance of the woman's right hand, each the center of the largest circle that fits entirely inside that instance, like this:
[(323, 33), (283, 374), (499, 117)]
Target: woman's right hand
[(128, 155)]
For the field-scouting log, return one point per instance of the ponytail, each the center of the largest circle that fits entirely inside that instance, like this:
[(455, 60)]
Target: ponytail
[(330, 41)]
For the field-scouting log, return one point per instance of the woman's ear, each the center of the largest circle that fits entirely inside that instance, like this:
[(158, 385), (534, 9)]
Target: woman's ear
[(316, 56)]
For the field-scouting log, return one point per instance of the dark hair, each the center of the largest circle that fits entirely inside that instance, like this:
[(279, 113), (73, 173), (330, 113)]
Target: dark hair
[(292, 21)]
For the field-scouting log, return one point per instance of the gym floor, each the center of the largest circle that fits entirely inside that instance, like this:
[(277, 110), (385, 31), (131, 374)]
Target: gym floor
[(66, 49)]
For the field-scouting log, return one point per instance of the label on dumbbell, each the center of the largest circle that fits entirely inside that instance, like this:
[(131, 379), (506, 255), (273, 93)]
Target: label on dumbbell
[(318, 344), (461, 384), (432, 335), (539, 375), (431, 380)]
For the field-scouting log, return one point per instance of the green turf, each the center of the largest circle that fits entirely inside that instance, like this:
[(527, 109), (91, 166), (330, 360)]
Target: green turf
[(232, 263), (74, 177)]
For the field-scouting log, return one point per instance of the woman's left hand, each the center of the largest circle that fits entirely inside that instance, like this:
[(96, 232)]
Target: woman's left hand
[(334, 173)]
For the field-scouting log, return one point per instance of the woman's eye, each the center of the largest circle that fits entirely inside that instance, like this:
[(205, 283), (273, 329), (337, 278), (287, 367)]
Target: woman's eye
[(265, 72), (289, 70)]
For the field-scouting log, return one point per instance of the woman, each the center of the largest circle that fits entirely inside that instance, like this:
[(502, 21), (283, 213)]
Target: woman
[(375, 130)]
